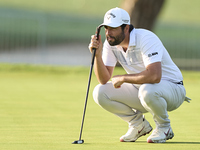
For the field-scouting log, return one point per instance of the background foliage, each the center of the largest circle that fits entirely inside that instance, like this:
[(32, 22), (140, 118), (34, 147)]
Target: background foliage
[(42, 23)]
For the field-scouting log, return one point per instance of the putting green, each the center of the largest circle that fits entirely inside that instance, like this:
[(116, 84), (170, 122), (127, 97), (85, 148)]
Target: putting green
[(41, 108)]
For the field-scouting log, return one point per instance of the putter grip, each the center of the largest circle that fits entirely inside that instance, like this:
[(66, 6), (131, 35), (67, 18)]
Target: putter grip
[(93, 55), (94, 49)]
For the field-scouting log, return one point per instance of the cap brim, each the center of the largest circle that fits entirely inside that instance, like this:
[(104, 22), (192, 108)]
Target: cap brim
[(113, 25)]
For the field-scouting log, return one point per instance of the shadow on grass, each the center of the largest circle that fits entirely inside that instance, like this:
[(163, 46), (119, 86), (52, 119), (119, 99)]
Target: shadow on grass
[(170, 142), (182, 142)]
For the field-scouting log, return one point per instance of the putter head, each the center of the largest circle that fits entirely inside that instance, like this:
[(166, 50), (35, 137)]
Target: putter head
[(78, 142)]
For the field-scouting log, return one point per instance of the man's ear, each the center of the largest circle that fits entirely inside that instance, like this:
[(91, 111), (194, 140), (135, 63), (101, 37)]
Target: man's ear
[(126, 29)]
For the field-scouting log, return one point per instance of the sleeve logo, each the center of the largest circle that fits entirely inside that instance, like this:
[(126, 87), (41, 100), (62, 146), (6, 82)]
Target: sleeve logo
[(152, 54)]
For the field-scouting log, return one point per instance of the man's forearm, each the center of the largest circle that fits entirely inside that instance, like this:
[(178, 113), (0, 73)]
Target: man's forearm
[(152, 74), (101, 71)]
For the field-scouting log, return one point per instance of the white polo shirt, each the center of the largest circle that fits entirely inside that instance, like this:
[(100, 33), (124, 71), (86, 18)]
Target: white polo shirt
[(144, 48)]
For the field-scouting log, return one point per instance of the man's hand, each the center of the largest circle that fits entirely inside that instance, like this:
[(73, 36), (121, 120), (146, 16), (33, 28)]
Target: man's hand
[(117, 81), (94, 43)]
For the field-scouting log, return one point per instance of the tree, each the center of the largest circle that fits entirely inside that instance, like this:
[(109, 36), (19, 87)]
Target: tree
[(143, 13)]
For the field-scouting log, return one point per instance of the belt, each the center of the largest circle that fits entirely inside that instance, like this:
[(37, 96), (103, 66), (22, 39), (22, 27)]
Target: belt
[(181, 82)]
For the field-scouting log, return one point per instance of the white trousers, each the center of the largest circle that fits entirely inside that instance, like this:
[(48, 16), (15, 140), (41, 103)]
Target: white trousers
[(129, 102)]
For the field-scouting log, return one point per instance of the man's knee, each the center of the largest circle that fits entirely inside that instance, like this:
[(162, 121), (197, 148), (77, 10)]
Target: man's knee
[(99, 93), (147, 93)]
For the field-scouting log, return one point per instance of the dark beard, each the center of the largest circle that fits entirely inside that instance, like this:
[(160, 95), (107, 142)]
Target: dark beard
[(117, 40)]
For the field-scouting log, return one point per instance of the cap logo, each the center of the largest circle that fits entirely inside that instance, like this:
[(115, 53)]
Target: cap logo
[(126, 21), (109, 15)]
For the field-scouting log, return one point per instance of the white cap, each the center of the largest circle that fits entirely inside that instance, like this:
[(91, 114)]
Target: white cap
[(116, 17)]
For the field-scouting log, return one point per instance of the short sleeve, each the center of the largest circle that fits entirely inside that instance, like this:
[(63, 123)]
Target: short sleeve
[(152, 49)]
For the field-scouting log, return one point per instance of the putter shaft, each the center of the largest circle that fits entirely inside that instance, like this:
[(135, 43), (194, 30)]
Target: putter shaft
[(88, 88)]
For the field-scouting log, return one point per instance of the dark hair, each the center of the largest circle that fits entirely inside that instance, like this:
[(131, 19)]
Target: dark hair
[(131, 27)]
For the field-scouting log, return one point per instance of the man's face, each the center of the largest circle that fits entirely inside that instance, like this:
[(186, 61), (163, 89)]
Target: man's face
[(114, 36)]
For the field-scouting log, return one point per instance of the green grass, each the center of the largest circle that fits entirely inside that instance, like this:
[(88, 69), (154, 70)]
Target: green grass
[(41, 108), (182, 11)]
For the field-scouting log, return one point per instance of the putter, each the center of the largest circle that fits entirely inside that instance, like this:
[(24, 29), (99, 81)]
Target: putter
[(80, 141)]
